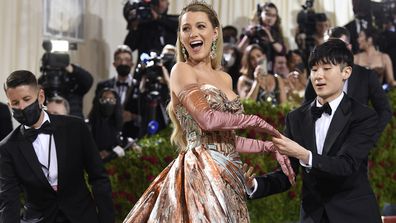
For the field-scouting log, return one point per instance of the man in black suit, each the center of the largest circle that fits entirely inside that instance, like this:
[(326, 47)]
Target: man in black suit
[(362, 20), (127, 88), (5, 120), (330, 138), (362, 85), (46, 157)]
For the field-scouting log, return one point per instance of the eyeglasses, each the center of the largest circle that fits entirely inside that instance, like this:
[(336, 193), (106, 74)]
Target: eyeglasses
[(107, 101)]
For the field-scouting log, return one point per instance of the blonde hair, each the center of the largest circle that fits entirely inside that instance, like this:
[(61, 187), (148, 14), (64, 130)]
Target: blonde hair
[(178, 137)]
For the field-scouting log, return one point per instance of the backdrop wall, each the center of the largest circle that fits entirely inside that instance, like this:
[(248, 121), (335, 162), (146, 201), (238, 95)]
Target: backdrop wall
[(21, 22)]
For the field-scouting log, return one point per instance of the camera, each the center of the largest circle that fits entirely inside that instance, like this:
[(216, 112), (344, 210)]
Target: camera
[(53, 66), (258, 35), (138, 10), (306, 20)]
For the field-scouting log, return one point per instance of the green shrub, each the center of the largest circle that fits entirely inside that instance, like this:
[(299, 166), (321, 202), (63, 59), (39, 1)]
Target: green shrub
[(132, 174)]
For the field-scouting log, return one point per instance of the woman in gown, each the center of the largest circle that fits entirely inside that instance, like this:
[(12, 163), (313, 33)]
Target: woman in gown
[(205, 183), (373, 59)]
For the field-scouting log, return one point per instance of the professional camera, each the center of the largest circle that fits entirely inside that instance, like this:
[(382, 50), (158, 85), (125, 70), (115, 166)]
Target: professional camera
[(154, 90), (53, 66), (138, 10), (306, 20), (151, 68)]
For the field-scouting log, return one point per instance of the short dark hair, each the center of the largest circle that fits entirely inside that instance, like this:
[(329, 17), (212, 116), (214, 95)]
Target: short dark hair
[(122, 49), (60, 100), (19, 78), (333, 51), (338, 31)]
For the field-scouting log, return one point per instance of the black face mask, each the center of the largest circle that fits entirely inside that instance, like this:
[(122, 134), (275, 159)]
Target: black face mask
[(107, 109), (29, 115), (123, 70)]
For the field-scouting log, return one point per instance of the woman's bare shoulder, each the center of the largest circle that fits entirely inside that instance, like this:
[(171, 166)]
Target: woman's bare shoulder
[(182, 75)]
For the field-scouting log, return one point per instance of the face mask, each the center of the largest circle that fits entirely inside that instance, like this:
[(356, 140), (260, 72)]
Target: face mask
[(107, 109), (29, 115), (123, 70), (230, 59)]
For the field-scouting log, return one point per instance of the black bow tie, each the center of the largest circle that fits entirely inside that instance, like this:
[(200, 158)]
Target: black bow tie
[(32, 133), (119, 84), (318, 111)]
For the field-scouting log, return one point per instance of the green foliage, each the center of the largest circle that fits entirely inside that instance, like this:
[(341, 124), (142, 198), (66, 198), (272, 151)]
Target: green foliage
[(131, 175)]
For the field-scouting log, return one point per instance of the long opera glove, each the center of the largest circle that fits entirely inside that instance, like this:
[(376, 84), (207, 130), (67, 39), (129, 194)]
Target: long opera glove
[(246, 145), (193, 99)]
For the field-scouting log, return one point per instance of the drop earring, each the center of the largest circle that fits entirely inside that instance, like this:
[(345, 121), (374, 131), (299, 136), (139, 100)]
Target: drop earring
[(213, 50)]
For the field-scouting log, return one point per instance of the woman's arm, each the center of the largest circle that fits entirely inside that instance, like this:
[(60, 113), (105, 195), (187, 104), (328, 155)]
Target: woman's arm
[(389, 70)]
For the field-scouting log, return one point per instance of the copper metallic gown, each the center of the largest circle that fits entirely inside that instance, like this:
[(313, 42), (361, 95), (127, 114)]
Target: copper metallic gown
[(204, 184)]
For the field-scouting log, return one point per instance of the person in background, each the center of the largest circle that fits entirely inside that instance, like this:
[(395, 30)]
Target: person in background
[(373, 59), (151, 31), (50, 158), (362, 85), (322, 24), (251, 58), (266, 31), (127, 88), (232, 63), (78, 83), (5, 120), (58, 106), (363, 20), (230, 35), (105, 120)]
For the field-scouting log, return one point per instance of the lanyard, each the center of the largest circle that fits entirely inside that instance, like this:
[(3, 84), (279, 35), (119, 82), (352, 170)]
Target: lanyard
[(49, 159)]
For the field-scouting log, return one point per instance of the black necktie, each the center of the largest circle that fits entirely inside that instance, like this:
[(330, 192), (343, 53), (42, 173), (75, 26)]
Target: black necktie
[(318, 111), (32, 133)]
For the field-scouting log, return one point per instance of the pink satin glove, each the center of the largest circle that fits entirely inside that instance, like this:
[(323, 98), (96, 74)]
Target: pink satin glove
[(193, 99), (246, 145)]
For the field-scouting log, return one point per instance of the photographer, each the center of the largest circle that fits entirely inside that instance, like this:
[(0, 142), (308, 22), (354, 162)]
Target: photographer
[(72, 83), (127, 88), (150, 28), (154, 88), (266, 31)]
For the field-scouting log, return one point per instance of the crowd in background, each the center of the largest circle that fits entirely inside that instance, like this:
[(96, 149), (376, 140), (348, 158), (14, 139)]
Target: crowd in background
[(263, 68)]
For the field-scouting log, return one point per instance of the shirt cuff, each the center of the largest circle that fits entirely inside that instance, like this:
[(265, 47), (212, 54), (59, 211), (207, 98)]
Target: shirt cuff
[(309, 164), (249, 191)]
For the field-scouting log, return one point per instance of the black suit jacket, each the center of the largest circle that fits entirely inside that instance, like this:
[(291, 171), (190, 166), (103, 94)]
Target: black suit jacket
[(337, 183), (363, 85), (5, 120), (76, 153)]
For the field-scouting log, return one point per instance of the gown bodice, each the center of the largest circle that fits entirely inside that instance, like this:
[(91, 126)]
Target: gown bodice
[(222, 141)]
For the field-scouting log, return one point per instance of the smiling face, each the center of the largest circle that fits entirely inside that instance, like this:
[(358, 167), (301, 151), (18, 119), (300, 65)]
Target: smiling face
[(328, 80), (196, 35)]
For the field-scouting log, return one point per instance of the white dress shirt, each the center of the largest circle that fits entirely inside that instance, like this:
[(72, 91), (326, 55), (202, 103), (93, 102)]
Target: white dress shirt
[(122, 90), (41, 146), (322, 126)]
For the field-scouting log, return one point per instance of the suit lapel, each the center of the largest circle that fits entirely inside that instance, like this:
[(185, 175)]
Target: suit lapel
[(60, 144), (339, 121), (28, 152), (309, 129)]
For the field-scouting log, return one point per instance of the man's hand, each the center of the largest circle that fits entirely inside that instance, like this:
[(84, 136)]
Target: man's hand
[(249, 176), (288, 147)]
